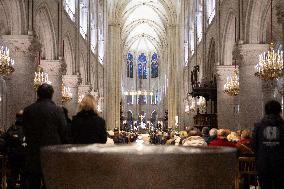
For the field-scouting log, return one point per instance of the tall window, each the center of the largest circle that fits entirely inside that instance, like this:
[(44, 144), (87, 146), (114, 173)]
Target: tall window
[(191, 34), (210, 10), (199, 20), (69, 6), (83, 17), (142, 99), (93, 25), (142, 66), (130, 65), (154, 66)]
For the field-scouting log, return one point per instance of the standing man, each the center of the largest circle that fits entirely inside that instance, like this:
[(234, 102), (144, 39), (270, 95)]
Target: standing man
[(268, 145), (44, 124)]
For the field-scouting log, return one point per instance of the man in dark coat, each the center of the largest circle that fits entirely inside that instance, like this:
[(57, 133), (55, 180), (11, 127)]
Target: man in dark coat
[(44, 124), (268, 145)]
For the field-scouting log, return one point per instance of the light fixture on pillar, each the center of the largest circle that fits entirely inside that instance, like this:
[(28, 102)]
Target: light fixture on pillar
[(232, 86), (66, 94), (270, 65), (40, 76), (6, 63)]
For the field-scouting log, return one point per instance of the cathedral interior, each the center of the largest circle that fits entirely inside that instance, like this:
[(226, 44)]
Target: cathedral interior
[(151, 64), (155, 62)]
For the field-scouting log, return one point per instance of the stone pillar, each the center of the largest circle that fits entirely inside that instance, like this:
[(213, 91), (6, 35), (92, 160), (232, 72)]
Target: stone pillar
[(251, 98), (20, 92), (54, 70), (112, 80), (280, 16), (72, 81), (227, 106), (172, 81)]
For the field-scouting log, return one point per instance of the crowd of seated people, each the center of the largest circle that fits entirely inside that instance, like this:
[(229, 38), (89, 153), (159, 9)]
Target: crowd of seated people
[(191, 136)]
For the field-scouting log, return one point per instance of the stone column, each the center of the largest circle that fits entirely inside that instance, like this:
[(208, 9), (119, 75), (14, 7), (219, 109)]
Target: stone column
[(280, 16), (112, 79), (20, 92), (54, 70), (72, 81), (172, 81), (227, 106), (251, 98)]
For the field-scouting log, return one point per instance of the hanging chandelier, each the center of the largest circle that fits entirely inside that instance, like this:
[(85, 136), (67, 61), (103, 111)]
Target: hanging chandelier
[(6, 63), (66, 94), (232, 86), (270, 64), (40, 78)]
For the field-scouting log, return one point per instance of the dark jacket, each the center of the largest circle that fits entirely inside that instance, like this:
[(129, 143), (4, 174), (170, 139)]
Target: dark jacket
[(15, 142), (268, 144), (87, 128), (44, 124)]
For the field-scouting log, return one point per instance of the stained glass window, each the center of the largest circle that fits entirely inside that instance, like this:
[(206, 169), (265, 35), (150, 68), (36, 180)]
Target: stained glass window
[(154, 66), (129, 99), (130, 65), (142, 66), (142, 99)]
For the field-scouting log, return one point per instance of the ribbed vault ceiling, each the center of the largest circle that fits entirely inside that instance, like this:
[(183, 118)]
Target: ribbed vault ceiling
[(143, 24)]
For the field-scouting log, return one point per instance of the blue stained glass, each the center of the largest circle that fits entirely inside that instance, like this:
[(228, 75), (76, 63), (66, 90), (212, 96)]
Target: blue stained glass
[(142, 58), (130, 65), (140, 70), (130, 56), (154, 66), (145, 70), (154, 57), (142, 66)]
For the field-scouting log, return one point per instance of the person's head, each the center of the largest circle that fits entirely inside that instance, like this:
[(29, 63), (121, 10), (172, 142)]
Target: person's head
[(213, 132), (88, 103), (246, 134), (45, 91), (19, 117), (222, 134), (205, 131), (273, 107)]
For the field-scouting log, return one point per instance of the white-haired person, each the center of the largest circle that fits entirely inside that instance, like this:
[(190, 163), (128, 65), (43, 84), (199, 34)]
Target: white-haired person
[(87, 126)]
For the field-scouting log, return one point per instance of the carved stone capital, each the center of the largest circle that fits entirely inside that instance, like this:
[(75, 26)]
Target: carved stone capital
[(21, 45), (71, 80), (84, 89), (52, 67), (249, 53)]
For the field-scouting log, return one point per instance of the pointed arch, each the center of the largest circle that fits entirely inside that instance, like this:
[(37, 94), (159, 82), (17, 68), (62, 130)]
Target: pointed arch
[(69, 55), (210, 66), (44, 30), (228, 39)]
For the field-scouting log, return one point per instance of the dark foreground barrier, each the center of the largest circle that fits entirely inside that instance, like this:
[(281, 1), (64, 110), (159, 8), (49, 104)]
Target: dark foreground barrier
[(136, 166)]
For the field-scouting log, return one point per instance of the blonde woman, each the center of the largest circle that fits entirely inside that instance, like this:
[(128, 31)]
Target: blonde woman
[(87, 126)]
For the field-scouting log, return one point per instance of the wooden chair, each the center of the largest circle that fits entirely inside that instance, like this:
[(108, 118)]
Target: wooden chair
[(247, 167)]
